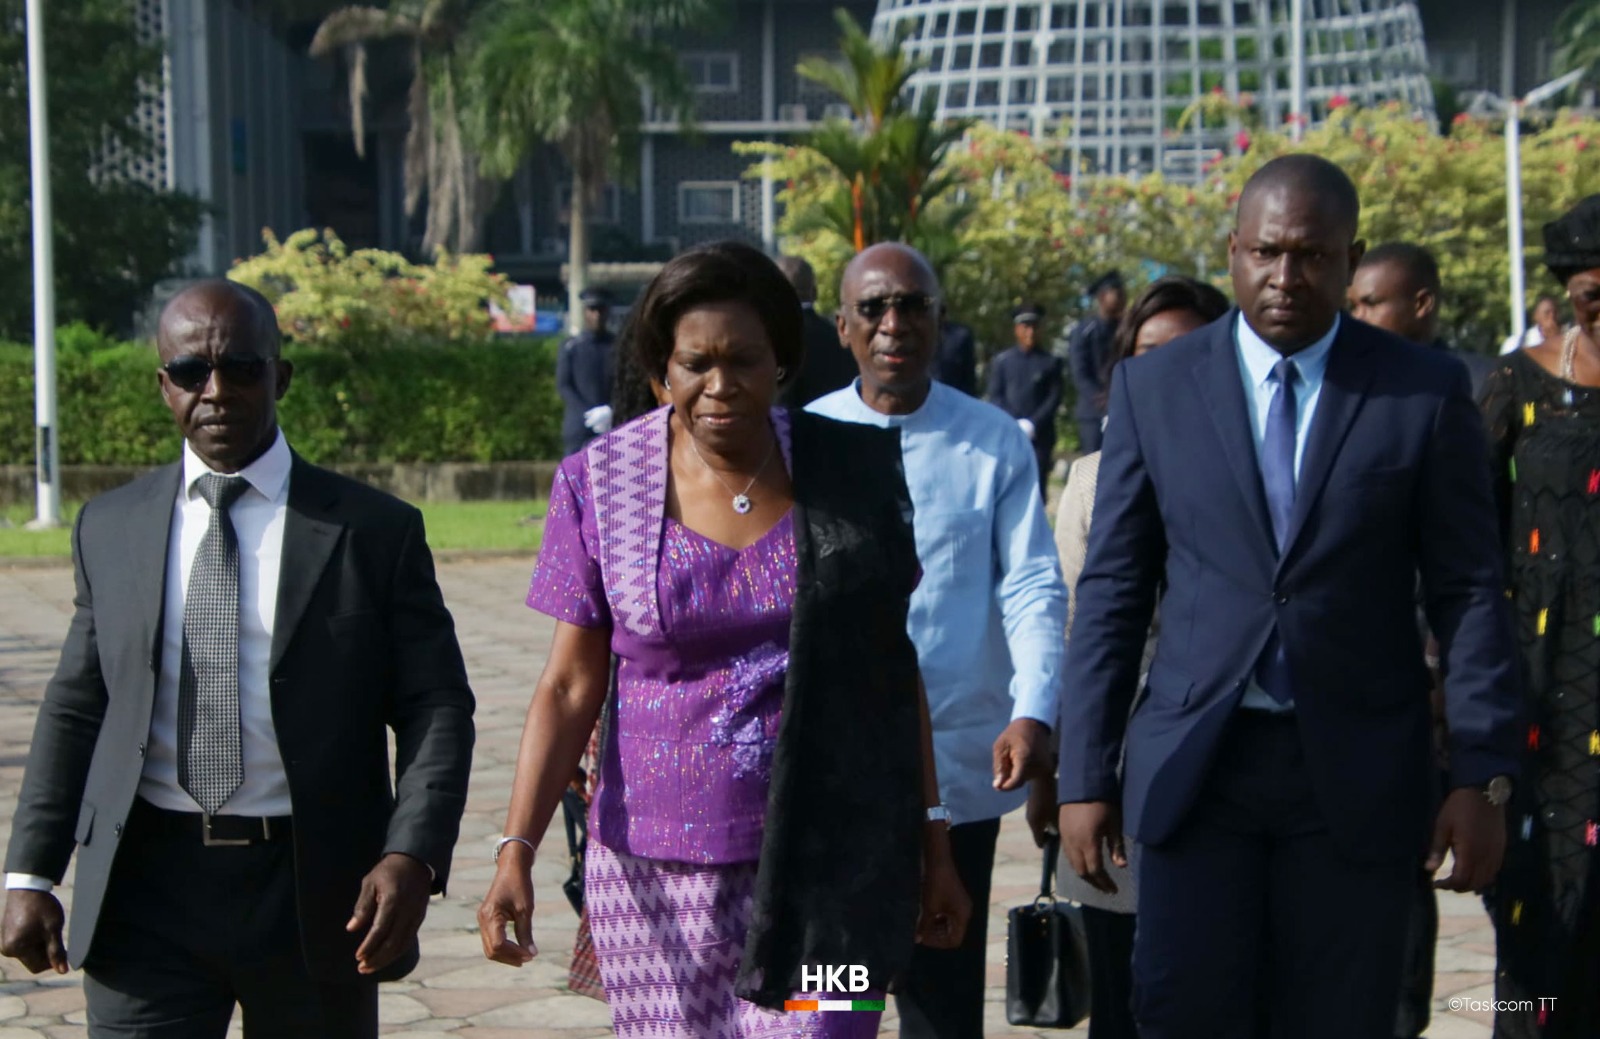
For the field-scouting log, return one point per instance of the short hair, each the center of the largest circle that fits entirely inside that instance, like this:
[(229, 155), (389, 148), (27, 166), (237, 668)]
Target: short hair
[(1174, 292), (1304, 170), (717, 272), (801, 275), (1417, 262)]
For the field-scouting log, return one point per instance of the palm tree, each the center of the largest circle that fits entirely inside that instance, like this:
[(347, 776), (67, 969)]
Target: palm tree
[(1579, 27), (573, 73), (889, 162), (438, 160)]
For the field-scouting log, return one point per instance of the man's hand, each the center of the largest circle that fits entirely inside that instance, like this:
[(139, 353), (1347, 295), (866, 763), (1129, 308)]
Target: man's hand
[(1022, 752), (31, 931), (1041, 810), (509, 901), (390, 908), (946, 906), (1475, 833), (1086, 827)]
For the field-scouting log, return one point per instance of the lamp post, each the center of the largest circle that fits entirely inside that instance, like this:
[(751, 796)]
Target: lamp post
[(1513, 115), (1297, 69), (47, 448)]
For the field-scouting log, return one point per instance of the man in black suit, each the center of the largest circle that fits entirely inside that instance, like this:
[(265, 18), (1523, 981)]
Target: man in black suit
[(828, 364), (247, 628), (1025, 383), (957, 366), (1397, 288)]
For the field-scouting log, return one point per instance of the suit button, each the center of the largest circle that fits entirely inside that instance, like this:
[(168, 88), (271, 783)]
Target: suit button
[(1281, 599), (117, 829), (141, 750)]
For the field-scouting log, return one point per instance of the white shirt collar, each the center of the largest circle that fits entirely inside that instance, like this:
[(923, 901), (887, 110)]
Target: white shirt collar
[(268, 475), (1260, 356)]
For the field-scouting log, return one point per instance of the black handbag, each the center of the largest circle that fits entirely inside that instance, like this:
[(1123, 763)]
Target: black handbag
[(575, 813), (1047, 957)]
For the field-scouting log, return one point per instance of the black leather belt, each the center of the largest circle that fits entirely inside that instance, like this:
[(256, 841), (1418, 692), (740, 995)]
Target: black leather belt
[(213, 831)]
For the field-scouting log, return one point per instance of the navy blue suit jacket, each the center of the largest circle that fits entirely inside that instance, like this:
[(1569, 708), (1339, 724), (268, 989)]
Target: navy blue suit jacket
[(1394, 483)]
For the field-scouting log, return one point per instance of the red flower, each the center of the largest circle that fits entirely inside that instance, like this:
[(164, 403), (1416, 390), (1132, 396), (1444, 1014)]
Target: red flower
[(1242, 140), (1337, 102), (1461, 119), (1217, 90), (1582, 144)]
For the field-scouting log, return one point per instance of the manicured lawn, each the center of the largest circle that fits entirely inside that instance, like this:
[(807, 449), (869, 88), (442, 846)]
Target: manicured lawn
[(497, 526), (484, 525)]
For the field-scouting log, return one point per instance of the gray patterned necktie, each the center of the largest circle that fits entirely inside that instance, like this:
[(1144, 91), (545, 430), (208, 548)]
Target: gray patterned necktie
[(210, 761)]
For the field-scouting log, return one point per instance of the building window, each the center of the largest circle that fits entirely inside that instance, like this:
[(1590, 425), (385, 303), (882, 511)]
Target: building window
[(606, 210), (708, 202), (712, 72)]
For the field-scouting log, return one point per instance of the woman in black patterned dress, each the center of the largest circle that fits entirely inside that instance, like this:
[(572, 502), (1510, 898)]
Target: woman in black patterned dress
[(1543, 410)]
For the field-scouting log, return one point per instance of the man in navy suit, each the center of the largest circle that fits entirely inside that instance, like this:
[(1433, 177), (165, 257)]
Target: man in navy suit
[(1279, 479)]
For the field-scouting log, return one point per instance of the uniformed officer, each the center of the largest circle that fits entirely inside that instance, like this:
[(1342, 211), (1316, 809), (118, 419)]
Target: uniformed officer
[(1025, 383), (583, 375), (1089, 354)]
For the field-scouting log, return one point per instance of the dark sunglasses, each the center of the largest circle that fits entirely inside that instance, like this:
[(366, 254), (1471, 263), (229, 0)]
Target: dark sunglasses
[(190, 372), (910, 304)]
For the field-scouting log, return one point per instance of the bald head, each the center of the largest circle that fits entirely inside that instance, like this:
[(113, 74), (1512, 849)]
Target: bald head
[(222, 303), (886, 256)]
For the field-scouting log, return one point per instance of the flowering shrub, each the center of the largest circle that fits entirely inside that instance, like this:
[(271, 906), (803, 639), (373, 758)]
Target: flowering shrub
[(329, 295)]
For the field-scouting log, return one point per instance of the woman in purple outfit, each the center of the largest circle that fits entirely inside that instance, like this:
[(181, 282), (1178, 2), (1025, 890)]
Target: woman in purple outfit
[(766, 772)]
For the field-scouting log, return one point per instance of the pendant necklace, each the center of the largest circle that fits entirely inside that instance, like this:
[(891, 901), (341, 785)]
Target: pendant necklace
[(1569, 352), (741, 499)]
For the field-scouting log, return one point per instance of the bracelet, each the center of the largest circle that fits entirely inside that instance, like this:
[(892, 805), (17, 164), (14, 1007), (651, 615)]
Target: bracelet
[(502, 842)]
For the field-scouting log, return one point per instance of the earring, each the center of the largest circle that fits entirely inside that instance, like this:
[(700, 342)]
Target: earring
[(665, 384), (783, 373)]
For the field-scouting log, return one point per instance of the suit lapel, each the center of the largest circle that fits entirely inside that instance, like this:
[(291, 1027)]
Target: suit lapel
[(1344, 387), (311, 529), (1223, 387), (150, 527)]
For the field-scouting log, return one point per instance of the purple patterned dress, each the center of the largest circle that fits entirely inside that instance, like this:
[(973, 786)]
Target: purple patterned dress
[(701, 634)]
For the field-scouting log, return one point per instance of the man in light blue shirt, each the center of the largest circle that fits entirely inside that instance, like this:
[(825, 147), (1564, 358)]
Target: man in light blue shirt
[(989, 615)]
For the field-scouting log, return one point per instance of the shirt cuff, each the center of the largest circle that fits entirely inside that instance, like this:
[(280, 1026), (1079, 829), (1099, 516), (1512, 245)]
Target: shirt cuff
[(1040, 707), (29, 882)]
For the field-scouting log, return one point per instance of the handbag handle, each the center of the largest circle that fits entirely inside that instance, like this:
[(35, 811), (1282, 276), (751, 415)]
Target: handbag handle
[(1047, 879)]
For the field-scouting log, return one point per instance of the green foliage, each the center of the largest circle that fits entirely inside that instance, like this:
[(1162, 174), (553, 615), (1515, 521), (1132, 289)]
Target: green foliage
[(881, 178), (1579, 30), (327, 295), (1028, 232), (417, 402), (114, 240)]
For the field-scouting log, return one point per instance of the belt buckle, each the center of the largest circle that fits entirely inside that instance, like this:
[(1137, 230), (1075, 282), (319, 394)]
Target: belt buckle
[(219, 842)]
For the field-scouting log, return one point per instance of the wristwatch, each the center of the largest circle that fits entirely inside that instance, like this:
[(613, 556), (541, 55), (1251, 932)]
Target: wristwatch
[(940, 814), (1498, 792)]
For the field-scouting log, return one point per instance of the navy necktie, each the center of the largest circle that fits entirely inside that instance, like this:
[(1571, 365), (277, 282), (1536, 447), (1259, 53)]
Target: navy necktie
[(1277, 478)]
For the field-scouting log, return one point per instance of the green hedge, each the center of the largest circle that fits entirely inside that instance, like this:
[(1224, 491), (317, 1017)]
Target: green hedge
[(482, 402)]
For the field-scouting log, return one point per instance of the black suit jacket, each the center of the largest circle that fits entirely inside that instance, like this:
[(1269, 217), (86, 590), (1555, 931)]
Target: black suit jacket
[(362, 643), (828, 365)]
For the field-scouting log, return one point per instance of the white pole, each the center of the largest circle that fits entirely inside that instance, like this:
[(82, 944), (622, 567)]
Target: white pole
[(1297, 68), (48, 450), (1514, 219)]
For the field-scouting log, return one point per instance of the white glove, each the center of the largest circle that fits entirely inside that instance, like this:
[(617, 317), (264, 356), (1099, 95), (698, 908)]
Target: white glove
[(1027, 427), (598, 419)]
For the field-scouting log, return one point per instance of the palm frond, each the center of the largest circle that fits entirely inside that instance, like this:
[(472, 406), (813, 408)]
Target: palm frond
[(356, 25)]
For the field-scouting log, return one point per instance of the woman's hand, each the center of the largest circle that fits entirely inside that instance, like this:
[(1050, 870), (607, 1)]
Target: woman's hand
[(509, 901), (945, 905)]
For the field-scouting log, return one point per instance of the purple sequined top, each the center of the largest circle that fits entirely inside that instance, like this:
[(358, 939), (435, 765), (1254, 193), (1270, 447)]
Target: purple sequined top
[(688, 759)]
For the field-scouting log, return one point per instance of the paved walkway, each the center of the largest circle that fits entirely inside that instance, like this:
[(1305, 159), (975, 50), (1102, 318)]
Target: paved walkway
[(455, 992)]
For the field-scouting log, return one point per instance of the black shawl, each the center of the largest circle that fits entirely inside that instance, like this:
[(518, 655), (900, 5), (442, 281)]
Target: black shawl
[(839, 879)]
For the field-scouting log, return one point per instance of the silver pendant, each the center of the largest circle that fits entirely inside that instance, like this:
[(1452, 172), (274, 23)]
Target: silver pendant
[(741, 503)]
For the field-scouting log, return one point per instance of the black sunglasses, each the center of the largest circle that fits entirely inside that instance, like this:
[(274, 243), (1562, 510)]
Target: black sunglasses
[(190, 372), (910, 304)]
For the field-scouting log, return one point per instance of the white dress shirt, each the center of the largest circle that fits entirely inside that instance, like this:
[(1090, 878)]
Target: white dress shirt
[(1256, 360), (258, 518)]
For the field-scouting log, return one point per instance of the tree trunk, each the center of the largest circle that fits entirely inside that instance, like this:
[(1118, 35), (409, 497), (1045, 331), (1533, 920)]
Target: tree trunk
[(577, 251)]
